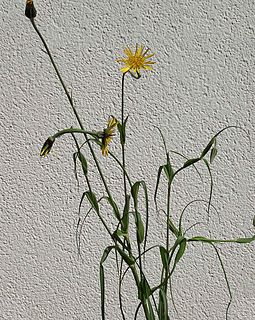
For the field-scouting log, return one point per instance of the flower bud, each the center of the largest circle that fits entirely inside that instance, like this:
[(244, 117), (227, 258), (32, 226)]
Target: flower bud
[(30, 11), (47, 146)]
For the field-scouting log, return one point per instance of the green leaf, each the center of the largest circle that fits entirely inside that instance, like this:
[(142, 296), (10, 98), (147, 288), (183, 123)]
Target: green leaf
[(211, 184), (120, 233), (134, 192), (238, 240), (144, 290), (207, 148), (128, 259), (245, 240), (114, 207), (173, 228), (162, 308), (157, 184), (93, 200), (168, 172), (139, 227), (180, 252), (213, 154), (83, 163), (102, 289), (102, 282), (164, 257), (139, 224), (122, 131), (75, 167), (125, 218), (190, 162), (106, 252)]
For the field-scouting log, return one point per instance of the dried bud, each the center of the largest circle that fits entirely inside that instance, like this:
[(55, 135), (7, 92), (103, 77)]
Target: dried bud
[(47, 146), (30, 11)]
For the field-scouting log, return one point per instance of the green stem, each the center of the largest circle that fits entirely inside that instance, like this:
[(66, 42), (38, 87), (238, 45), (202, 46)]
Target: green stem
[(72, 105), (122, 123), (167, 232)]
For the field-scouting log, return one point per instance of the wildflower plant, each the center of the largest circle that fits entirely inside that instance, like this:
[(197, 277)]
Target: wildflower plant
[(131, 255)]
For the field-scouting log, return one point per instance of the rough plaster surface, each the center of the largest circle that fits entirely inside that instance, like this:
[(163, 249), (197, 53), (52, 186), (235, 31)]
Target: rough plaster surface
[(203, 81)]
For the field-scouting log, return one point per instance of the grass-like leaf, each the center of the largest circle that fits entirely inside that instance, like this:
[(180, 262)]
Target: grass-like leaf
[(162, 307), (102, 277), (83, 163), (93, 200)]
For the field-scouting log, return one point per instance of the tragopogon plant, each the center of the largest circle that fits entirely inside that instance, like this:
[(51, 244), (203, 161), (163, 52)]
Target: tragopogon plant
[(131, 254)]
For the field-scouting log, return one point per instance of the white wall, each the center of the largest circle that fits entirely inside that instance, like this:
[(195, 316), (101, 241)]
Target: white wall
[(203, 81)]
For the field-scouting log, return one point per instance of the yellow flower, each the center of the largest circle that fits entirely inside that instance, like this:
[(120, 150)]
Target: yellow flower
[(107, 135), (137, 60)]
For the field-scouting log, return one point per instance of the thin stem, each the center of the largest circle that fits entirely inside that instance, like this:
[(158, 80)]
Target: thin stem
[(72, 105), (167, 232), (122, 123)]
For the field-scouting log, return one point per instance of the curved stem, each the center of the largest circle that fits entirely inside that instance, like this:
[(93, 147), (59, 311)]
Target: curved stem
[(72, 105)]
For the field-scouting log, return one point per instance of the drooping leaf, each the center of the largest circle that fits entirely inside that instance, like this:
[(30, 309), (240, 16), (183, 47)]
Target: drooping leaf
[(142, 234), (181, 250), (122, 131), (114, 207), (162, 308), (130, 260), (190, 162), (157, 185), (83, 163), (207, 148), (139, 227), (144, 290), (93, 200), (75, 167), (125, 218), (238, 240), (120, 233), (168, 172), (102, 281), (213, 154), (164, 257), (106, 252), (211, 185)]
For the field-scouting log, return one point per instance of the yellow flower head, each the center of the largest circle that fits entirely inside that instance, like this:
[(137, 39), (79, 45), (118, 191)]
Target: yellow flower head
[(108, 134), (137, 60)]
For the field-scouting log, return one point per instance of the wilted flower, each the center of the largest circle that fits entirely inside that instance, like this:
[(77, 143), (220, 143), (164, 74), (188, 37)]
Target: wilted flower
[(47, 146), (30, 11), (107, 135), (137, 60)]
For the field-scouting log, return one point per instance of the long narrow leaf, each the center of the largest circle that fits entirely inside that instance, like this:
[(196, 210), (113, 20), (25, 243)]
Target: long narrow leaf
[(238, 240), (93, 200), (125, 218), (114, 207), (157, 185), (83, 163), (134, 192), (163, 308), (211, 185), (226, 279), (102, 282)]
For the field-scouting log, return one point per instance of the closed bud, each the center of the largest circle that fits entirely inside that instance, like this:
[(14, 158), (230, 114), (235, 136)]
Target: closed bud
[(47, 146), (30, 11)]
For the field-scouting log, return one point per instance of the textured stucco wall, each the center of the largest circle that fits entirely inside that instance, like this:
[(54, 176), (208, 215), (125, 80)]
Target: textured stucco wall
[(203, 81)]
